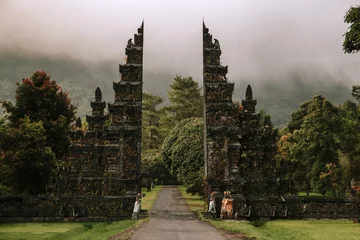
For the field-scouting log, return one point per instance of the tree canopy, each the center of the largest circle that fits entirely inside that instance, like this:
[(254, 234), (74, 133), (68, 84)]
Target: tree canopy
[(35, 133), (41, 99), (312, 142), (185, 99), (351, 42)]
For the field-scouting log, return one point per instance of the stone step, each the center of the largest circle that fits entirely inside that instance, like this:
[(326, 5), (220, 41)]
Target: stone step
[(182, 215), (144, 214)]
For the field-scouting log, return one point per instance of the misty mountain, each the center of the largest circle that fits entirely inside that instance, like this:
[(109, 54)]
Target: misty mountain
[(279, 96)]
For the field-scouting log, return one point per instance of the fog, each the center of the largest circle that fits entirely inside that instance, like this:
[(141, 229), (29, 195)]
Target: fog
[(261, 41)]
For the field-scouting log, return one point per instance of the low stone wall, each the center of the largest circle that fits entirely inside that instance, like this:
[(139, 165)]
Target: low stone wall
[(56, 208), (317, 207), (296, 207)]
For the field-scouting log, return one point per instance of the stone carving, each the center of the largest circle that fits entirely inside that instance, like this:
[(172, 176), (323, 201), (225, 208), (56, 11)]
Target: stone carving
[(216, 44), (97, 120), (130, 44)]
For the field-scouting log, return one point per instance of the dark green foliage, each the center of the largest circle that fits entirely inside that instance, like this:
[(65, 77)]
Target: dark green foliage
[(349, 141), (185, 102), (41, 99), (27, 163), (297, 117), (355, 93), (185, 99), (351, 42), (152, 166), (36, 133), (312, 143), (183, 153)]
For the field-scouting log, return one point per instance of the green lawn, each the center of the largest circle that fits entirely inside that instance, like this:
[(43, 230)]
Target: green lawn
[(285, 229), (293, 229), (59, 231), (74, 231)]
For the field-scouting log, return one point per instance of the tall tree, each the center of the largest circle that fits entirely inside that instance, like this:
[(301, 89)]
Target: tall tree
[(41, 99), (349, 140), (351, 42), (185, 99)]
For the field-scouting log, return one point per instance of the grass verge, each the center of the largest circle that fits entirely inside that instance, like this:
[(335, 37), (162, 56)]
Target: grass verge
[(150, 197), (194, 202), (281, 229), (60, 231)]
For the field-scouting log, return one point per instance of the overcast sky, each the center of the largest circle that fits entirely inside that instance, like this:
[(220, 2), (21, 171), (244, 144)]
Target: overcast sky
[(259, 39)]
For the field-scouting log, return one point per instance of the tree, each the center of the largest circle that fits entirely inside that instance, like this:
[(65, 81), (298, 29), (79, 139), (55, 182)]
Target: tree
[(355, 92), (349, 141), (26, 163), (183, 153), (185, 99), (351, 42), (332, 178), (153, 168), (41, 99), (313, 143)]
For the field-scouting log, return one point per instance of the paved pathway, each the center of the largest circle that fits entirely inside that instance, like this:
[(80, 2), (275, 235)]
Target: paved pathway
[(170, 219)]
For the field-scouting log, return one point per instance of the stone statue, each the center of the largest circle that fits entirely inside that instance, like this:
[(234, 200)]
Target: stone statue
[(130, 44), (216, 44), (137, 206), (227, 206), (212, 205)]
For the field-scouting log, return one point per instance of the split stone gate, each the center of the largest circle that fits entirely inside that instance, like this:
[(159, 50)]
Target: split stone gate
[(102, 175)]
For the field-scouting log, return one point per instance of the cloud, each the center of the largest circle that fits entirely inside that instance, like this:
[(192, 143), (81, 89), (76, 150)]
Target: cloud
[(259, 39)]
